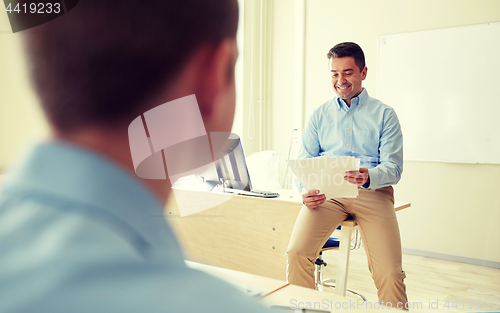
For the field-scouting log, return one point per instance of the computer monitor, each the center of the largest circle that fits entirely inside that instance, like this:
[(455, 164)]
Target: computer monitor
[(232, 168)]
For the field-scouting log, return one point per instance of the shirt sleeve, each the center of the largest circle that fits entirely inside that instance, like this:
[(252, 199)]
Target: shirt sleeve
[(73, 262), (389, 171)]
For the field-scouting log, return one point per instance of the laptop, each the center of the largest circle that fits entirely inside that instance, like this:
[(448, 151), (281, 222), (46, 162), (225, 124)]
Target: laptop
[(232, 172)]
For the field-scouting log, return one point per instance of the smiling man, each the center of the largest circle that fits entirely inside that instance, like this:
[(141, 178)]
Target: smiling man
[(353, 124)]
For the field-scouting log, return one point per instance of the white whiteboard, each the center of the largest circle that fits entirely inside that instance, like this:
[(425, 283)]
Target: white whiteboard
[(445, 87)]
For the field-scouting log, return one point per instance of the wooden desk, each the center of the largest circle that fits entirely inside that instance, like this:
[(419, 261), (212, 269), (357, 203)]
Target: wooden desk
[(265, 284), (300, 297), (247, 234), (278, 292)]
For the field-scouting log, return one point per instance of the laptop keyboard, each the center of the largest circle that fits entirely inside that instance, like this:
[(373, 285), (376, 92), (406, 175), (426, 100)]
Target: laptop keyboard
[(253, 193), (259, 193)]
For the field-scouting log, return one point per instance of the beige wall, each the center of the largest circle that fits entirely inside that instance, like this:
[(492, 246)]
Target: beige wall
[(453, 210), (283, 76), (21, 120)]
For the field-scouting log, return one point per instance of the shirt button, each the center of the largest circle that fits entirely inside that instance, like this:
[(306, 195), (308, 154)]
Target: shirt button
[(348, 128), (349, 113), (347, 144)]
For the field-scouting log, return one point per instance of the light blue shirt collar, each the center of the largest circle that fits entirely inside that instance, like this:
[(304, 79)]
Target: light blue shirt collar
[(358, 100)]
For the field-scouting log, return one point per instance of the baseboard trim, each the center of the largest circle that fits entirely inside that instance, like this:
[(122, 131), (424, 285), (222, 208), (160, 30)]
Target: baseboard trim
[(451, 257)]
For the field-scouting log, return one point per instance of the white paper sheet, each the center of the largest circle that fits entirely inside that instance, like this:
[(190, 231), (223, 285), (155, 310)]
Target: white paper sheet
[(326, 174)]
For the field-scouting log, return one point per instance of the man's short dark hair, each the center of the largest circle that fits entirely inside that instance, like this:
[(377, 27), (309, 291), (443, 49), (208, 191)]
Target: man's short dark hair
[(95, 64), (348, 49)]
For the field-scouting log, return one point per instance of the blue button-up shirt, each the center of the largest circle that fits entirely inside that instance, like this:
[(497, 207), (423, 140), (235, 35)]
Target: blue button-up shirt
[(368, 130), (79, 234)]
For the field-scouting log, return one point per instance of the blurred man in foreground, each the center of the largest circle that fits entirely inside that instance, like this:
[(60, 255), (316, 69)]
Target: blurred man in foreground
[(79, 231)]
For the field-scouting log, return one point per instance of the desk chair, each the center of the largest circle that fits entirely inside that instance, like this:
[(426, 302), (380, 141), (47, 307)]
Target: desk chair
[(346, 243)]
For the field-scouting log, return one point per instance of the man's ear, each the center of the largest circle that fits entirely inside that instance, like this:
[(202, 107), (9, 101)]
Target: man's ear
[(363, 73), (215, 85)]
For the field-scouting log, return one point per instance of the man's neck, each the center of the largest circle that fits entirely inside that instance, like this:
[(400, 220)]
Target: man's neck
[(99, 139), (348, 101)]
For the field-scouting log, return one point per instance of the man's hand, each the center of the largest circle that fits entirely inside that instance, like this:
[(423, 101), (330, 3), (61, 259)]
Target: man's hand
[(358, 178), (312, 199)]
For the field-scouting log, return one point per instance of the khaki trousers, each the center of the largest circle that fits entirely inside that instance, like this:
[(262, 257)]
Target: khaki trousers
[(373, 210)]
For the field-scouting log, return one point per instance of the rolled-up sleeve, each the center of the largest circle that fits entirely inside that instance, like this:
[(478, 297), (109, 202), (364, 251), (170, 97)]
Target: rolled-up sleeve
[(389, 171)]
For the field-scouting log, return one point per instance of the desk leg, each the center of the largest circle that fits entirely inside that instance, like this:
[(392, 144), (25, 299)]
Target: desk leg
[(343, 260)]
